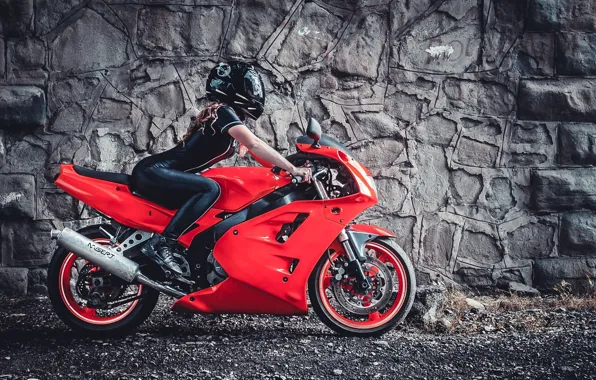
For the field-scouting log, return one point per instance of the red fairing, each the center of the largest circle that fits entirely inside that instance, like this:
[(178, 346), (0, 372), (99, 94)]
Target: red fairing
[(241, 186), (258, 266), (114, 200)]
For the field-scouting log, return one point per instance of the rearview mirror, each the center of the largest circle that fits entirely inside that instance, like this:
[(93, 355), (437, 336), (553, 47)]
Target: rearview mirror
[(313, 131)]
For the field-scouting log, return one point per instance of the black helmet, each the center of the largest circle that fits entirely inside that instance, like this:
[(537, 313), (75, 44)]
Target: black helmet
[(238, 85)]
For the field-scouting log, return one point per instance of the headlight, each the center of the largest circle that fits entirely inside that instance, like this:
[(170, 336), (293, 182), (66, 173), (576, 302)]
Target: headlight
[(371, 182)]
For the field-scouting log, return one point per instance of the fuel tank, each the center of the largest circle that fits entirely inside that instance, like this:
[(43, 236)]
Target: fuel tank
[(241, 186)]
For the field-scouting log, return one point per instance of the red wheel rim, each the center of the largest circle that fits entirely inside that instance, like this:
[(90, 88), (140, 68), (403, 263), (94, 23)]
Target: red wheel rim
[(84, 313), (377, 318)]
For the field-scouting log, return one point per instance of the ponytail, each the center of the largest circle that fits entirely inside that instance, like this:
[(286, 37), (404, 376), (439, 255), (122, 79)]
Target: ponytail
[(198, 122)]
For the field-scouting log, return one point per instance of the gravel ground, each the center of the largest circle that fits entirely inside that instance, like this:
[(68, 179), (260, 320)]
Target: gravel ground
[(35, 344)]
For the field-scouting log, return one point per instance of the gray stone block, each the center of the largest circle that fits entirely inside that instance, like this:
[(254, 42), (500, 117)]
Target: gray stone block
[(302, 47), (17, 196), (578, 235), (26, 54), (478, 98), (476, 153), (437, 242), (549, 271), (89, 43), (499, 197), (556, 15), (465, 188), (557, 100), (435, 130), (26, 243), (52, 204), (457, 24), (37, 281), (22, 106), (13, 281), (28, 155), (254, 21), (476, 278), (536, 54), (576, 144), (576, 54), (429, 194), (563, 189), (531, 133), (534, 240), (26, 62), (15, 17), (196, 31), (361, 42), (516, 287), (480, 248)]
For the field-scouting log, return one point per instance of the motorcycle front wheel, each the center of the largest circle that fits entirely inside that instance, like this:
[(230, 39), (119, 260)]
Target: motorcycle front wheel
[(74, 284), (348, 310)]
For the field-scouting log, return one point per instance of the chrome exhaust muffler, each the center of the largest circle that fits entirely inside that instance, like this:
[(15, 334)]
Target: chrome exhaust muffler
[(108, 259)]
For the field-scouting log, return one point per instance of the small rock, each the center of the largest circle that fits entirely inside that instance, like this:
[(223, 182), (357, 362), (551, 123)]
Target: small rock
[(382, 343), (474, 304), (427, 304), (446, 322), (338, 372), (516, 287)]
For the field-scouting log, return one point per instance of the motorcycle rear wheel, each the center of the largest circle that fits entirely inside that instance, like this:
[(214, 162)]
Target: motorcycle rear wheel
[(350, 313), (73, 311)]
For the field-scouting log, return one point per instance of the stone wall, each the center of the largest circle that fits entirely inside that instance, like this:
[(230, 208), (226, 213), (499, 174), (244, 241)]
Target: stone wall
[(483, 154)]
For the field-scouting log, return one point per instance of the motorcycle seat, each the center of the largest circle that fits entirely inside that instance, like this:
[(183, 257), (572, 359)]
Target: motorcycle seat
[(123, 179)]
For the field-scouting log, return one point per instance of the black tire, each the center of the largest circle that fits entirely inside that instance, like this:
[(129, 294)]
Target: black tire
[(124, 326), (345, 330)]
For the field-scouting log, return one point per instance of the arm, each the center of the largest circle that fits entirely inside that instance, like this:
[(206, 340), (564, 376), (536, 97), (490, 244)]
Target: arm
[(261, 161), (263, 152), (242, 150)]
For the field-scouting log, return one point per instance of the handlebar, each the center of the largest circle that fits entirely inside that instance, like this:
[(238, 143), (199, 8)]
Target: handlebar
[(300, 179)]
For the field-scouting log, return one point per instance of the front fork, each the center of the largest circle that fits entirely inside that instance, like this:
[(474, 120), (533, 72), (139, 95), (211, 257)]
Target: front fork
[(352, 247)]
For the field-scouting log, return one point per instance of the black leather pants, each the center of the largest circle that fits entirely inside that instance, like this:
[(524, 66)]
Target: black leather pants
[(192, 194)]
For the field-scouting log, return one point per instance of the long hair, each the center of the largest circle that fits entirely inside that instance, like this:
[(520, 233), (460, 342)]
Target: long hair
[(199, 122)]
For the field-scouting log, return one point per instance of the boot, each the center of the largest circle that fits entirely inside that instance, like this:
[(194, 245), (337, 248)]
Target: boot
[(166, 252), (161, 249)]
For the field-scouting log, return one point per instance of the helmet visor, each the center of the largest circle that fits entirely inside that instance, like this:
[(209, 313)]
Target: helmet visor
[(253, 85)]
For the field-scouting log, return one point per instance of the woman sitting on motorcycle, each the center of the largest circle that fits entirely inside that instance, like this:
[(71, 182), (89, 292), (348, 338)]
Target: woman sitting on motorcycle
[(237, 92)]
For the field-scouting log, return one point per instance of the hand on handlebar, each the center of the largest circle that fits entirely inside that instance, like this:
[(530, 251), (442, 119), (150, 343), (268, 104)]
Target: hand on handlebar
[(302, 174)]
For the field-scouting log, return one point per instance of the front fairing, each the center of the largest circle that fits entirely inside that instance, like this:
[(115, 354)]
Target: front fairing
[(350, 206)]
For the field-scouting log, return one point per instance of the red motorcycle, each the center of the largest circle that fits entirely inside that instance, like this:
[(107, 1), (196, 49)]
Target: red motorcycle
[(253, 252)]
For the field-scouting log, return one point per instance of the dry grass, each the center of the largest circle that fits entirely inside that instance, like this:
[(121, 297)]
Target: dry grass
[(456, 301), (508, 311), (563, 296)]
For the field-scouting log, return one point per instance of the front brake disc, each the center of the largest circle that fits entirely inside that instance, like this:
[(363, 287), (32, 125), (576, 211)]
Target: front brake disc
[(378, 296)]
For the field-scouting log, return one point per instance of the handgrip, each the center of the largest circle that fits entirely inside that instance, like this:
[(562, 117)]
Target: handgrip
[(297, 179)]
